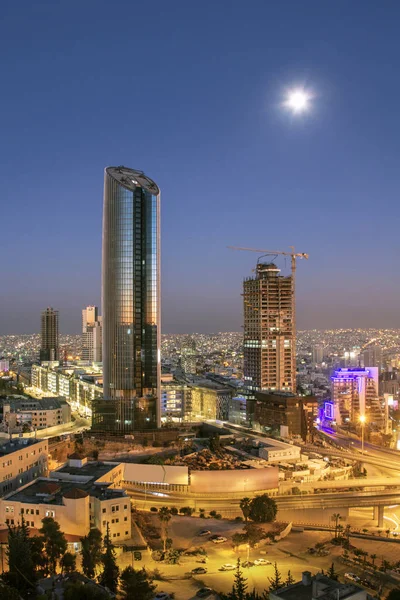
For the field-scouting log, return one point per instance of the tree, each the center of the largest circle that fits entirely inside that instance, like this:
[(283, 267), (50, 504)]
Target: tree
[(239, 538), (336, 517), (290, 580), (55, 544), (387, 532), (276, 580), (81, 591), (110, 573), (136, 584), (37, 554), (245, 505), (373, 557), (255, 534), (240, 584), (21, 570), (394, 594), (263, 509), (332, 573), (91, 552), (8, 593), (164, 515), (68, 563)]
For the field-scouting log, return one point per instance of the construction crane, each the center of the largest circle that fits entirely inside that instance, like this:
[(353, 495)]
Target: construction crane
[(293, 254)]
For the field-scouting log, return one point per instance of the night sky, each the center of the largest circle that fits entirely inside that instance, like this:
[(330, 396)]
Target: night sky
[(191, 93)]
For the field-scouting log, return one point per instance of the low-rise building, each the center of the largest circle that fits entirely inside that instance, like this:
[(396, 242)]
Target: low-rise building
[(80, 495), (318, 587), (284, 413), (38, 414), (275, 451), (21, 461)]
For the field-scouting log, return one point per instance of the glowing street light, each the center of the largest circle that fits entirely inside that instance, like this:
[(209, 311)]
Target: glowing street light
[(298, 100)]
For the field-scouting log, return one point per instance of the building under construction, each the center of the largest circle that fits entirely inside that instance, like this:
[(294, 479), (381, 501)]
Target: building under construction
[(269, 330)]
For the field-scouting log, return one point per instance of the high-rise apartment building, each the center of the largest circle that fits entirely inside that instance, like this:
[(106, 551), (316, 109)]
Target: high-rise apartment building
[(317, 354), (130, 303), (188, 356), (372, 357), (355, 394), (91, 334), (49, 348), (269, 331)]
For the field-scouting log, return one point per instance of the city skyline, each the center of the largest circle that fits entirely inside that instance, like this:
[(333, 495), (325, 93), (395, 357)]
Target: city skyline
[(333, 166)]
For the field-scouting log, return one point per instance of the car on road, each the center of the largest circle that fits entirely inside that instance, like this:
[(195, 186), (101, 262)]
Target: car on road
[(352, 577), (204, 532), (247, 563), (162, 596), (204, 592), (220, 539), (367, 583), (261, 561), (227, 567), (199, 571)]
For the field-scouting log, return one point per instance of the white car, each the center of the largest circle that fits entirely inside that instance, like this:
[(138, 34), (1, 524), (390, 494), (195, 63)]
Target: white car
[(162, 596), (219, 540), (352, 576), (204, 532), (227, 567), (261, 561)]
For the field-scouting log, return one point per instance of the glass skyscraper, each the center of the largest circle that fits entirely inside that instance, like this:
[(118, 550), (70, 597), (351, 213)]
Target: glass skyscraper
[(130, 303)]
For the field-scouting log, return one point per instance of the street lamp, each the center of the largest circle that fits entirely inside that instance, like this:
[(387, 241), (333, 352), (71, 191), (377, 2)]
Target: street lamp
[(362, 420)]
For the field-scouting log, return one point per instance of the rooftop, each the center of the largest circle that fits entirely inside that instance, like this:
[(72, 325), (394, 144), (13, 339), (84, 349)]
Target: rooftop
[(37, 491), (16, 444), (35, 404), (92, 470), (320, 586), (131, 178)]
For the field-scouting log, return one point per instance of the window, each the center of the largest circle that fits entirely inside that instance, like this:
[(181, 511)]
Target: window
[(115, 508), (50, 513), (126, 533), (112, 520), (125, 507), (117, 520), (104, 510), (32, 524), (32, 511), (114, 534), (104, 523), (125, 518), (9, 509), (22, 511), (37, 512)]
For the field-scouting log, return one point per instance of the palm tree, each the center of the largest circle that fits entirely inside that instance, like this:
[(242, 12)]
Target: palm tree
[(245, 505), (164, 515), (336, 517), (387, 532), (373, 557)]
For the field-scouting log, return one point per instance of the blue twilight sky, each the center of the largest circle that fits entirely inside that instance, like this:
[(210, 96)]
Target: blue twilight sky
[(190, 92)]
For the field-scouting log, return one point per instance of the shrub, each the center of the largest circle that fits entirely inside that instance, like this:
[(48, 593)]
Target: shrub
[(173, 510), (213, 513), (218, 516), (154, 509), (239, 519), (202, 516)]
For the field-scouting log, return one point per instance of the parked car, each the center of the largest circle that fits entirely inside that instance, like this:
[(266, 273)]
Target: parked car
[(204, 532), (247, 563), (214, 536), (227, 567), (261, 561), (199, 571), (162, 596), (220, 539), (204, 592), (368, 584), (352, 577)]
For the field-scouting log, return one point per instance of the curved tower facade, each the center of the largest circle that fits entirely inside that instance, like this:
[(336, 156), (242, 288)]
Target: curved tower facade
[(130, 303)]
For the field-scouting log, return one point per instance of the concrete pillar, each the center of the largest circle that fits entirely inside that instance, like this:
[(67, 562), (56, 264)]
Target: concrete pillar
[(378, 515)]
